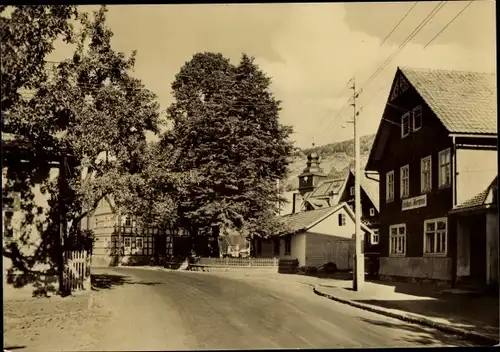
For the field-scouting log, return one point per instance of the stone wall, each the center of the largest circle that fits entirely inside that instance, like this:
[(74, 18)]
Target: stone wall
[(416, 269)]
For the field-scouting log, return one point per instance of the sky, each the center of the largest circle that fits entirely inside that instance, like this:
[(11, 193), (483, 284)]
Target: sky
[(310, 51)]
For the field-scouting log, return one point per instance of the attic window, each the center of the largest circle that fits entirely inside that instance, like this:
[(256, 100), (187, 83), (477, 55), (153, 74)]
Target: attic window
[(352, 190), (341, 219), (417, 118), (405, 125), (372, 211)]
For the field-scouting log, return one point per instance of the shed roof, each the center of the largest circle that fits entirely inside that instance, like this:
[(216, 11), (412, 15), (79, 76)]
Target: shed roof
[(485, 198)]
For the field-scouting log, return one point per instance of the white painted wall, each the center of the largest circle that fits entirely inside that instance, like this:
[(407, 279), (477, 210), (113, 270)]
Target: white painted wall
[(330, 226), (476, 170), (298, 245), (31, 232)]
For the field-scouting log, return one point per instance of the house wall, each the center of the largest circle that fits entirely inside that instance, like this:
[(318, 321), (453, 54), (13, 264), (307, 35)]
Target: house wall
[(323, 248), (366, 202), (102, 222), (398, 152), (463, 246), (330, 226), (31, 232), (475, 171), (423, 268), (492, 248), (329, 233)]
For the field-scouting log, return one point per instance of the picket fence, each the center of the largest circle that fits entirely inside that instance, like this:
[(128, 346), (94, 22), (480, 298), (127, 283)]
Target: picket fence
[(239, 262), (76, 271)]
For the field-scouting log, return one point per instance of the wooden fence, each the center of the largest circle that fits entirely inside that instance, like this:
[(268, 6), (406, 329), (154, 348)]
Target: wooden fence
[(239, 262), (76, 271)]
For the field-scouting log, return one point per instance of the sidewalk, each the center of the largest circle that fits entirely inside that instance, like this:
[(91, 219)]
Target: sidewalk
[(475, 318)]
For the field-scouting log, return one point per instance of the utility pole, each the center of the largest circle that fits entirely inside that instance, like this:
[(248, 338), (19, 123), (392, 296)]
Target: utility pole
[(359, 266)]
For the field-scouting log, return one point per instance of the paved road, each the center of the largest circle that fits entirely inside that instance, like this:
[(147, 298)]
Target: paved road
[(155, 310)]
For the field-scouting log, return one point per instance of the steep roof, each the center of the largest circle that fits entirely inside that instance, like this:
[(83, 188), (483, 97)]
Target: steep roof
[(303, 221), (486, 198), (465, 102), (371, 188)]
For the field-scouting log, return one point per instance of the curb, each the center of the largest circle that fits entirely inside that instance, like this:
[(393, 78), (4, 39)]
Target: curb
[(469, 335)]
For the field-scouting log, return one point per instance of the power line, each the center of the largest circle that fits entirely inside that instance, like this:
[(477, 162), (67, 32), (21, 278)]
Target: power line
[(450, 22), (422, 24), (339, 95), (399, 23)]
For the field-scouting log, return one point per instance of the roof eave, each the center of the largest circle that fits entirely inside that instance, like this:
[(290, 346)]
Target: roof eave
[(471, 209)]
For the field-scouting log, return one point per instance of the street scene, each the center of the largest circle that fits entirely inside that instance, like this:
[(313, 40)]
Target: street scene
[(249, 176)]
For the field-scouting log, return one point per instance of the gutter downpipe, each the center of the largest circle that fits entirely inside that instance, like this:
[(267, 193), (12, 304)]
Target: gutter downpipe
[(367, 173), (454, 262)]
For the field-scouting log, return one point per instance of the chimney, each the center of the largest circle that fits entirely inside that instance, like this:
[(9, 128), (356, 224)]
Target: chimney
[(295, 203)]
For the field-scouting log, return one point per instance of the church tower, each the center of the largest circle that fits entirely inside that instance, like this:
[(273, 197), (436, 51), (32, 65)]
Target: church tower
[(312, 175)]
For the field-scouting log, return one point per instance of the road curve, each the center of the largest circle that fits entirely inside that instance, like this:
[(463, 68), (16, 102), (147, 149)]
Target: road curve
[(158, 310)]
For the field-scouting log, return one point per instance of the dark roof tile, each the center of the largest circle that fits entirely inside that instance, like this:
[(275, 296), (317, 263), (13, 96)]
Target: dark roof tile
[(465, 102)]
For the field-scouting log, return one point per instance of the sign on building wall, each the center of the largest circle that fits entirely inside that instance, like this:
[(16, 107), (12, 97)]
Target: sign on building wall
[(414, 203)]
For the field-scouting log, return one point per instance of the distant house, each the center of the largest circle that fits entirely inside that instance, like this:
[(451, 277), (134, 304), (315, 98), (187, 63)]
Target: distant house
[(117, 238), (436, 147), (318, 192), (316, 237), (120, 240)]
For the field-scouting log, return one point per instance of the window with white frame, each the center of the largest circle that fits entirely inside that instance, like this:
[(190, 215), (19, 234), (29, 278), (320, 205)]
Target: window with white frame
[(405, 125), (426, 174), (445, 168), (372, 211), (139, 243), (435, 233), (342, 220), (389, 186), (397, 239), (352, 190), (375, 236), (417, 118), (405, 181)]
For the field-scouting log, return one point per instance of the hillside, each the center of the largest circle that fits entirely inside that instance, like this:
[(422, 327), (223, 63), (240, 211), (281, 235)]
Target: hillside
[(335, 158)]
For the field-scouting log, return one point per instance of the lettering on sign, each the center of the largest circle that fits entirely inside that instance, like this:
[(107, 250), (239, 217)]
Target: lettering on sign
[(414, 203)]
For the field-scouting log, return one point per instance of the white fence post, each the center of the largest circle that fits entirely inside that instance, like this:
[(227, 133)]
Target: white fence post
[(77, 270)]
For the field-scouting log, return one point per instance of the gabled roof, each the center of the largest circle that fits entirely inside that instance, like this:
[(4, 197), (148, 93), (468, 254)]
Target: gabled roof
[(485, 199), (371, 188), (465, 102), (303, 221)]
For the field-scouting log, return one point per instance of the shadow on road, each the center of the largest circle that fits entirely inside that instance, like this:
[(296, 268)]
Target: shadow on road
[(12, 348), (108, 281), (422, 336)]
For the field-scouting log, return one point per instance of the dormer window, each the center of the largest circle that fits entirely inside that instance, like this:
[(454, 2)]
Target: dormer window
[(372, 211), (405, 125), (417, 118), (352, 190)]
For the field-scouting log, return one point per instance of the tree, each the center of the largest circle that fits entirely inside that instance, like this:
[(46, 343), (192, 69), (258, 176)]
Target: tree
[(27, 35), (81, 109), (226, 135)]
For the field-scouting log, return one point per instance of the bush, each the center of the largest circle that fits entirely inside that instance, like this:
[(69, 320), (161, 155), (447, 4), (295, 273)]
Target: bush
[(330, 268), (311, 270)]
